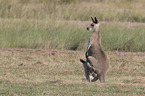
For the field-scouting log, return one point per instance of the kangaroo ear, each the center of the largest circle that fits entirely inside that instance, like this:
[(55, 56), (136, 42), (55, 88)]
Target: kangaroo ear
[(96, 21), (82, 61), (92, 19)]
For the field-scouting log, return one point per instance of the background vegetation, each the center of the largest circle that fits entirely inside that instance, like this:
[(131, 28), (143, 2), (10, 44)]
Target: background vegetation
[(106, 10), (43, 24), (68, 36)]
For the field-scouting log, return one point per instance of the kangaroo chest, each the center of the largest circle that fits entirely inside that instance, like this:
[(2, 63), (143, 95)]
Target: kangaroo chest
[(93, 45)]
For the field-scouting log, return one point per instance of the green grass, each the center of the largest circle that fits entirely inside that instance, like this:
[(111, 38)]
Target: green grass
[(28, 72), (123, 38), (68, 36), (25, 34), (37, 24)]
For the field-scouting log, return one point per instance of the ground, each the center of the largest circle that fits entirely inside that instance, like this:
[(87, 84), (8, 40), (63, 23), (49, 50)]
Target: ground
[(27, 72)]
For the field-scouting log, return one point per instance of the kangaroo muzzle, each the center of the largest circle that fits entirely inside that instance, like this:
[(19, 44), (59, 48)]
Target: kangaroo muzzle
[(89, 28)]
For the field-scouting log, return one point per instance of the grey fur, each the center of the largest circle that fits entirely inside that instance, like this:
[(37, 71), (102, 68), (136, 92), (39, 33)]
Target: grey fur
[(96, 63)]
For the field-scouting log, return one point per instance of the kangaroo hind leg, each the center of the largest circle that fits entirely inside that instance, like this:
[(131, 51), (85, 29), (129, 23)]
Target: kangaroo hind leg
[(101, 77), (94, 63)]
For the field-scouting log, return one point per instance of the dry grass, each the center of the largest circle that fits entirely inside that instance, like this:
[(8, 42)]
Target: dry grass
[(107, 10), (40, 72)]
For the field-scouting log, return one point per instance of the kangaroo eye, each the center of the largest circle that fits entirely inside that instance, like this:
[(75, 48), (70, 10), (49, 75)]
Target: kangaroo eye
[(92, 25)]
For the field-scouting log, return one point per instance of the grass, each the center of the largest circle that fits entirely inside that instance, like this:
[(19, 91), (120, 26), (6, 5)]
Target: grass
[(39, 35), (36, 24), (68, 36), (123, 38), (28, 72), (41, 24), (105, 10)]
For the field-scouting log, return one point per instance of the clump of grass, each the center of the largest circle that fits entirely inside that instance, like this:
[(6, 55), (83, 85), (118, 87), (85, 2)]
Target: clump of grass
[(39, 34), (67, 1), (123, 38), (68, 36)]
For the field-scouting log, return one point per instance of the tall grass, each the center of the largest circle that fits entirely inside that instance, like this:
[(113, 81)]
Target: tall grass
[(107, 10), (35, 24), (37, 34), (123, 38), (68, 36)]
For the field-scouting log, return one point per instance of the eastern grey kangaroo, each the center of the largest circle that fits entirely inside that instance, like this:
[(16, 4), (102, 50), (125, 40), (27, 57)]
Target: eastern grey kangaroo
[(96, 64)]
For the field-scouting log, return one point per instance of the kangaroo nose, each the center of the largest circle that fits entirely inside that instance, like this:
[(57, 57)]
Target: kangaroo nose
[(89, 29)]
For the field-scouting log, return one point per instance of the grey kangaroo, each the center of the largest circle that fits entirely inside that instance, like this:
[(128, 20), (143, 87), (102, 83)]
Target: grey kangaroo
[(96, 64)]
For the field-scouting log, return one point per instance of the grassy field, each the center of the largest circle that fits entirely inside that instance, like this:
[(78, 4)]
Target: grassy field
[(68, 35), (29, 72), (105, 10), (41, 24), (36, 37)]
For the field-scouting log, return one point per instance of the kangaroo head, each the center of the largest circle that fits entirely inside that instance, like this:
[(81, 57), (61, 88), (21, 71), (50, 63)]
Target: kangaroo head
[(88, 70), (94, 26)]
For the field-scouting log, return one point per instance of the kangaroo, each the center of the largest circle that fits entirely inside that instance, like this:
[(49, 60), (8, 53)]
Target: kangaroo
[(96, 64)]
